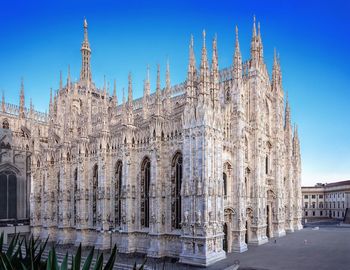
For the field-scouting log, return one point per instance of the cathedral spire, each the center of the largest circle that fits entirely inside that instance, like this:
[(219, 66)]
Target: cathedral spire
[(31, 107), (287, 123), (204, 68), (254, 27), (115, 98), (61, 84), (21, 99), (85, 73), (215, 64), (237, 61), (215, 71), (191, 72), (158, 80), (147, 87), (3, 102), (50, 104), (253, 44), (129, 89), (167, 76), (68, 78), (260, 45), (276, 72)]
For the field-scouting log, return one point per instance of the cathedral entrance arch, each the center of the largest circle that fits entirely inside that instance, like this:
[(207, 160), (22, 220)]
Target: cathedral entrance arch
[(8, 195)]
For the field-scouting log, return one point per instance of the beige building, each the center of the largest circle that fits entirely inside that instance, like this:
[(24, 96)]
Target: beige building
[(190, 171), (326, 200)]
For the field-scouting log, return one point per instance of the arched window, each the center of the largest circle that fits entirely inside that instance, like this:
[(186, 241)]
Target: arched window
[(118, 188), (94, 194), (145, 183), (5, 124), (246, 149), (224, 178), (75, 196), (176, 183), (8, 195)]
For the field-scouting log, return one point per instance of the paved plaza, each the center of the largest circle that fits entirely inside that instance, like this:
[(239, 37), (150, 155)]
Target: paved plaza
[(326, 248)]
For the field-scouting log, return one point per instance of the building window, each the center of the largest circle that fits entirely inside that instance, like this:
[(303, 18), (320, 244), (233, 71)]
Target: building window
[(8, 195), (338, 213), (267, 165), (321, 213), (320, 196), (224, 178), (320, 205), (313, 213), (117, 193), (306, 213), (313, 205), (313, 196), (5, 124), (94, 194), (306, 196), (145, 182), (176, 191), (306, 205)]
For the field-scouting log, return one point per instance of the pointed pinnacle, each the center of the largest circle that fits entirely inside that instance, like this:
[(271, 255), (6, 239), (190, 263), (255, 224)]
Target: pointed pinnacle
[(148, 73), (254, 27), (204, 34), (167, 75), (158, 77)]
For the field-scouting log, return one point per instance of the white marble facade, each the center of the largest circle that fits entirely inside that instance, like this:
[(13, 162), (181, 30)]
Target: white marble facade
[(190, 171)]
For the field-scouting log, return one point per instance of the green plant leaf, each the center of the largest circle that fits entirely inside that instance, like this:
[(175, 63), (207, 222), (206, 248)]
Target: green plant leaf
[(12, 245), (6, 263), (109, 265), (54, 259), (64, 265), (143, 265), (99, 263), (77, 259), (88, 260)]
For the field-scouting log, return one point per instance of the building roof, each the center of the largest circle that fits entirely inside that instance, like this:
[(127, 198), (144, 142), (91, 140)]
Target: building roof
[(340, 183)]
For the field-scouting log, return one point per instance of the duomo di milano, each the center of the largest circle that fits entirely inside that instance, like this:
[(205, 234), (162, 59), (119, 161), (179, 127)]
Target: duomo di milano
[(190, 171)]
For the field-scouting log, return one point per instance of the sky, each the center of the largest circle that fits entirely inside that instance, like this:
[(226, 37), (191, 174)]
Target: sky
[(38, 39)]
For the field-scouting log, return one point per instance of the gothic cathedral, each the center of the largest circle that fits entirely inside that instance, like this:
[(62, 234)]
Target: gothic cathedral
[(192, 171)]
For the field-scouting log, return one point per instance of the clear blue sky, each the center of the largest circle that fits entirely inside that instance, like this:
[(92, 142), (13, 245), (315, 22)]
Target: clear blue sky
[(38, 39)]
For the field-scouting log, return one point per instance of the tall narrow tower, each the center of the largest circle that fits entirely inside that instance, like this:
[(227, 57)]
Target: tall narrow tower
[(85, 73)]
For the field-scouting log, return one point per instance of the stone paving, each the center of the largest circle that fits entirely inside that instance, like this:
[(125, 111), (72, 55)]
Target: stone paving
[(326, 248)]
